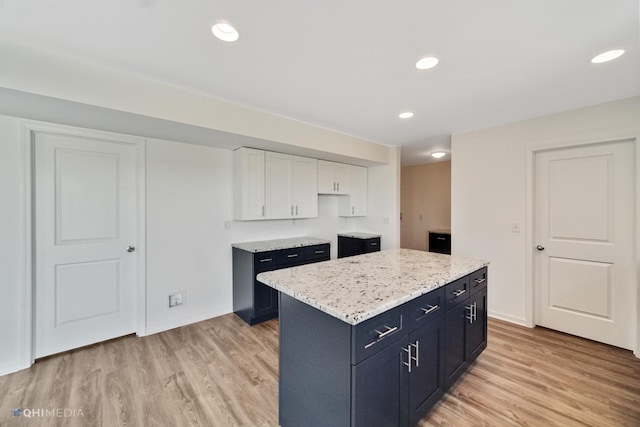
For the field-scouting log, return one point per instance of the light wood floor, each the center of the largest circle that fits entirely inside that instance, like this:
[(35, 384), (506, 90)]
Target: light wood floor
[(222, 372)]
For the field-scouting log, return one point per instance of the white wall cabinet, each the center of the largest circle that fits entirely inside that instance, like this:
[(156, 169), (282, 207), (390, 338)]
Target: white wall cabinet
[(270, 185), (333, 178), (249, 184), (355, 204)]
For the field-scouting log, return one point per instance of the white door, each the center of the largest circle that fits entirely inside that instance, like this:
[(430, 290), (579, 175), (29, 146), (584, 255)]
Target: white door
[(279, 185), (85, 218), (305, 187), (584, 232)]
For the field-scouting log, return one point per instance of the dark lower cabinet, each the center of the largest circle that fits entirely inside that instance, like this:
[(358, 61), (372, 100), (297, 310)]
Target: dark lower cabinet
[(350, 246), (256, 302), (426, 382), (387, 371), (440, 242), (380, 391)]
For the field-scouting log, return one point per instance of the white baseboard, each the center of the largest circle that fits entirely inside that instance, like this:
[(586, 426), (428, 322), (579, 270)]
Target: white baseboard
[(186, 320), (10, 369), (507, 318)]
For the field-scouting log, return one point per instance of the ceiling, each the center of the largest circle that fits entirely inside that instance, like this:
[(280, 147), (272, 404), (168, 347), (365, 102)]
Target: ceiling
[(349, 65)]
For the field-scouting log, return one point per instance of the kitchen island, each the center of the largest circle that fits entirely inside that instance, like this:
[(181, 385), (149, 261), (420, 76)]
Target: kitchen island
[(376, 339)]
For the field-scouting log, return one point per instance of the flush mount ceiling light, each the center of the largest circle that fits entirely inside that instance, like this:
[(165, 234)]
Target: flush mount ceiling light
[(225, 32), (438, 154), (406, 115), (607, 56), (426, 63)]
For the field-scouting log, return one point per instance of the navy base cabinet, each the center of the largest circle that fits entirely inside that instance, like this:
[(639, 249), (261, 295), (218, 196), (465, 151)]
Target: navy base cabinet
[(256, 302), (350, 246)]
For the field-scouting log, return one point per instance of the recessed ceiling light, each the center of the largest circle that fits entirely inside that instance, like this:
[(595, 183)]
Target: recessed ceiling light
[(225, 32), (426, 63), (406, 115), (608, 56), (438, 154)]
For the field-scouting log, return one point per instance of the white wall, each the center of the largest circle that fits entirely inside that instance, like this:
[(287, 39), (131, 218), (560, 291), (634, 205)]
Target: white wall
[(188, 200), (12, 246), (489, 187)]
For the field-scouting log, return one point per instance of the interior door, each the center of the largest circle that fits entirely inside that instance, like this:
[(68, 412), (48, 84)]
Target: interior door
[(584, 231), (85, 220)]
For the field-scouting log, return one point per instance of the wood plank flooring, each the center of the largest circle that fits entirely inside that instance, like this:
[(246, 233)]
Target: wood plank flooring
[(221, 372)]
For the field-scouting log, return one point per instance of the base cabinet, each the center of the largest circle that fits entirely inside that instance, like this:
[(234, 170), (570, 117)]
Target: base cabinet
[(386, 371), (350, 246), (256, 302)]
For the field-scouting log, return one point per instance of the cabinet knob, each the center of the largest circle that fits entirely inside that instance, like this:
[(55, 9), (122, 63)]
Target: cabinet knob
[(540, 248)]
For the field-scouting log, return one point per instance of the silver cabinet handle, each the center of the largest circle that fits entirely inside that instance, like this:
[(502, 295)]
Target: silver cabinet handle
[(441, 238), (352, 209), (338, 186), (334, 186), (266, 260), (470, 316), (291, 210), (262, 210), (319, 252), (540, 248), (408, 362), (131, 249), (473, 312), (382, 335), (459, 292), (374, 243), (292, 255), (417, 358), (296, 210), (480, 281), (430, 308), (387, 332)]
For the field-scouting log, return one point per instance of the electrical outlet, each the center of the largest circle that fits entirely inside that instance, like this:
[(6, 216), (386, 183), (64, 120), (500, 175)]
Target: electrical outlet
[(176, 299)]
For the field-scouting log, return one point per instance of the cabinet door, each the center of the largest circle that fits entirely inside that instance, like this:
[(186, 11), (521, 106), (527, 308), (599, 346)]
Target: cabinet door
[(326, 183), (249, 184), (265, 300), (279, 185), (341, 177), (426, 380), (455, 342), (380, 390), (355, 204), (477, 325), (305, 187)]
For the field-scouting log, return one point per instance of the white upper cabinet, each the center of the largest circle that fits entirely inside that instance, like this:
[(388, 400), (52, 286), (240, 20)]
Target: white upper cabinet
[(333, 178), (271, 185), (278, 185), (249, 184), (305, 187), (355, 204)]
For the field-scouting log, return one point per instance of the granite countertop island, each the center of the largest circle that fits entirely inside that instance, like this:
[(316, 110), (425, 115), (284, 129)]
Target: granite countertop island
[(358, 288)]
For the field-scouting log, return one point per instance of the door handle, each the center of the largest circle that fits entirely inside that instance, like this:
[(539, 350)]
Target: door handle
[(540, 248), (131, 248)]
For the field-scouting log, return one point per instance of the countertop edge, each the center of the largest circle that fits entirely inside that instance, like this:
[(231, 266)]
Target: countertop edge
[(380, 309)]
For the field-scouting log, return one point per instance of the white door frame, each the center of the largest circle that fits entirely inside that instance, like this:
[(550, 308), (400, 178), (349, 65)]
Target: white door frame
[(529, 223), (28, 301)]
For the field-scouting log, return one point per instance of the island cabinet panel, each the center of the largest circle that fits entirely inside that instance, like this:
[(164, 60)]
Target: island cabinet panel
[(388, 370), (256, 302)]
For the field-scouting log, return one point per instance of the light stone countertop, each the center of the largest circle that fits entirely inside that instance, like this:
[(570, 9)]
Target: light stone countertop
[(359, 235), (274, 245), (357, 288)]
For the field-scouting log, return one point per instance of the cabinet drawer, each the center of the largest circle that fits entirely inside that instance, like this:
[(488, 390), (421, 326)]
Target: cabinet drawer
[(371, 245), (478, 280), (265, 261), (294, 256), (427, 307), (456, 292), (377, 333), (318, 252)]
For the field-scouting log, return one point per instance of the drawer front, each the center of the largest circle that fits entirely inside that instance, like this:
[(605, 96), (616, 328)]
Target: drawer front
[(318, 253), (478, 280), (371, 245), (288, 257), (456, 292), (264, 261), (426, 307), (440, 243), (377, 333)]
